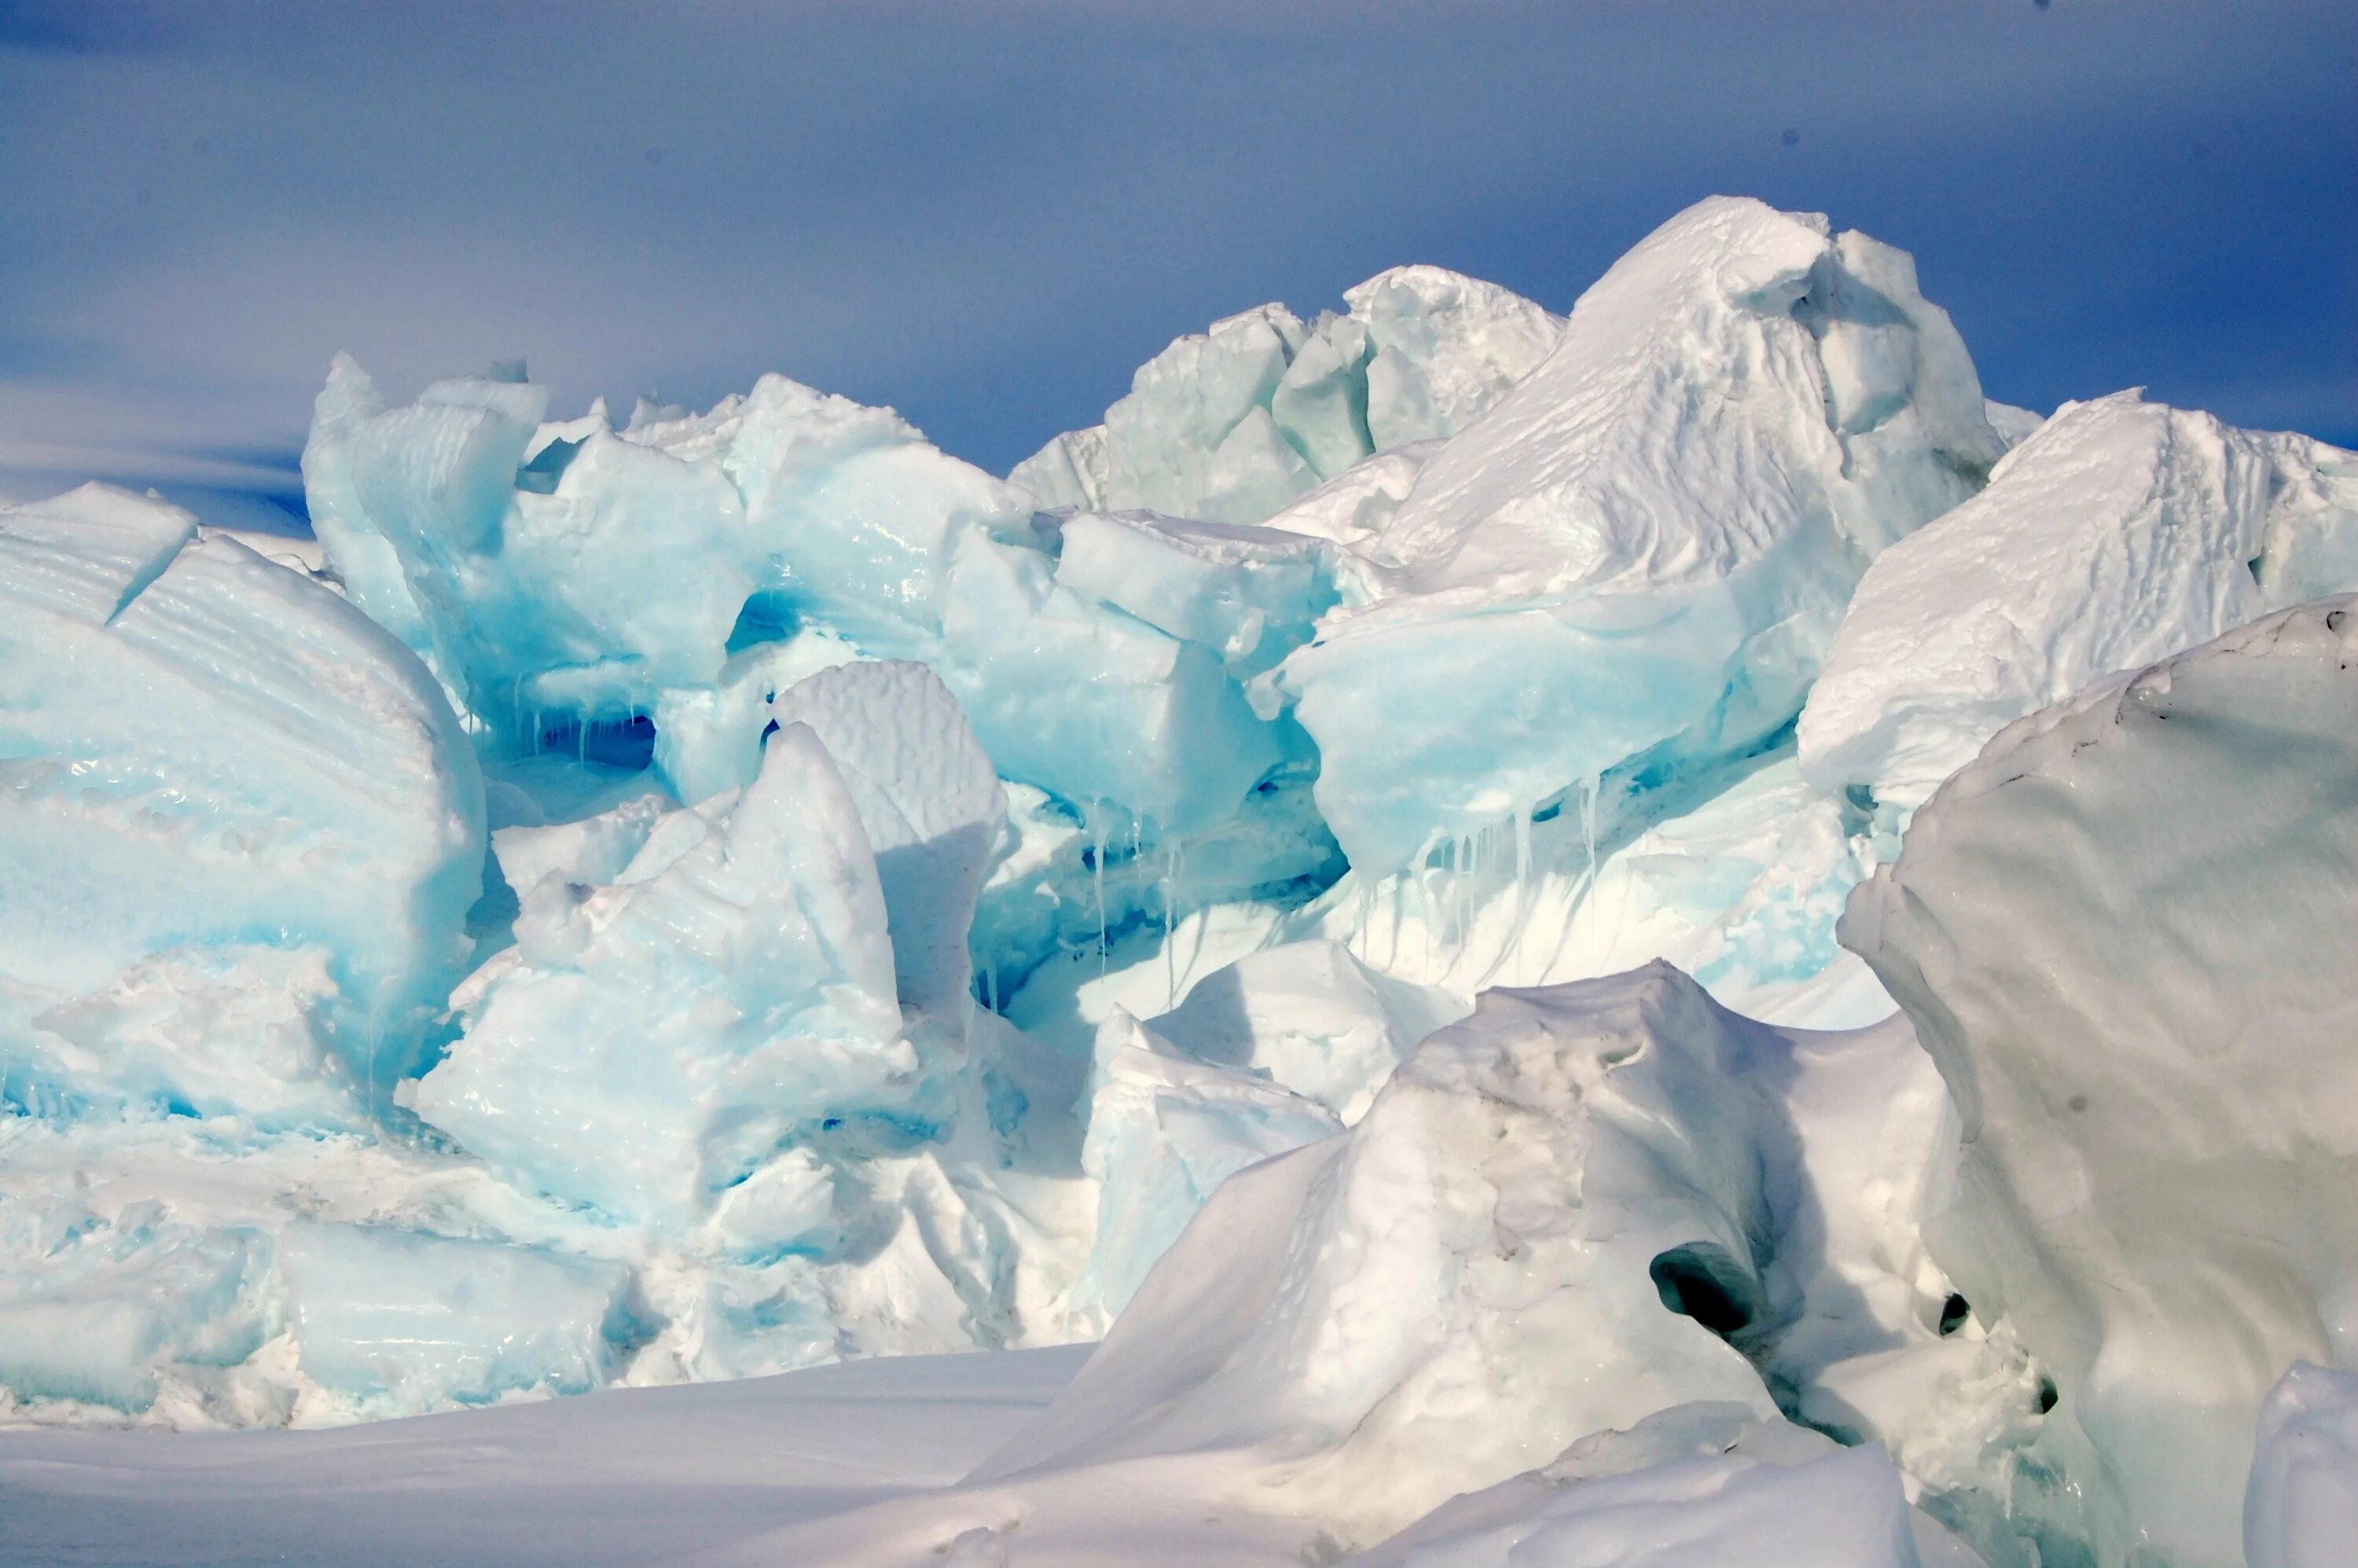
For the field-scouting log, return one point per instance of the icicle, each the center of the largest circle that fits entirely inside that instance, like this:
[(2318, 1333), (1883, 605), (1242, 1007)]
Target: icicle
[(1589, 789), (1097, 863), (1170, 925)]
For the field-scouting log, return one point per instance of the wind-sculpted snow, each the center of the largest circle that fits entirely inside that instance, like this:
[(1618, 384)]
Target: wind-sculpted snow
[(240, 828), (2123, 934), (1646, 545), (1698, 1483), (2120, 532)]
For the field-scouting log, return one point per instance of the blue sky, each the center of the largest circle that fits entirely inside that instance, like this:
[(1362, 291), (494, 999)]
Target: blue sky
[(987, 214)]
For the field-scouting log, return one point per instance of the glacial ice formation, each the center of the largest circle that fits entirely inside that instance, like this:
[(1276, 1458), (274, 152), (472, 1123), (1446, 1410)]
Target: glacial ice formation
[(1328, 880), (645, 1045), (2123, 935)]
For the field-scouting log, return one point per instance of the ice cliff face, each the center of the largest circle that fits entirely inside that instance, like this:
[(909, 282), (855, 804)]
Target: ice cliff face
[(1329, 879)]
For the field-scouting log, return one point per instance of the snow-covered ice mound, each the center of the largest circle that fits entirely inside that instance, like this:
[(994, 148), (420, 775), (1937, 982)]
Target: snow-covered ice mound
[(1576, 1208), (1648, 542), (2124, 934)]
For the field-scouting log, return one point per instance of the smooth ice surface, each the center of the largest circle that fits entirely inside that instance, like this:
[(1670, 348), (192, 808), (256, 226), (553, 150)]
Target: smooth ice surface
[(2123, 935), (1646, 543), (2118, 533), (240, 828), (1736, 1491), (2301, 1507)]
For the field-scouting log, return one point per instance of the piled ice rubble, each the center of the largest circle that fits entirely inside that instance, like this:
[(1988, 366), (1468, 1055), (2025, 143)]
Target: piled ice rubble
[(744, 888), (1655, 532)]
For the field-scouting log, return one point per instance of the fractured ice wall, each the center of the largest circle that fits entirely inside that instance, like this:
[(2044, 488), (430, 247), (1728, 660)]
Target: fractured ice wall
[(2122, 933)]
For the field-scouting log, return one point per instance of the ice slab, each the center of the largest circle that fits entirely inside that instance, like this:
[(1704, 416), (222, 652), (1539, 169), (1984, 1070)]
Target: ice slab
[(414, 1322), (2121, 934), (212, 761), (929, 803), (1164, 1131), (604, 570), (652, 1042), (2118, 533)]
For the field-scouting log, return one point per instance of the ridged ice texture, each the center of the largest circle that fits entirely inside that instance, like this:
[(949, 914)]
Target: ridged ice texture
[(1650, 537), (1233, 424), (2124, 934), (2118, 534), (240, 828), (929, 804)]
